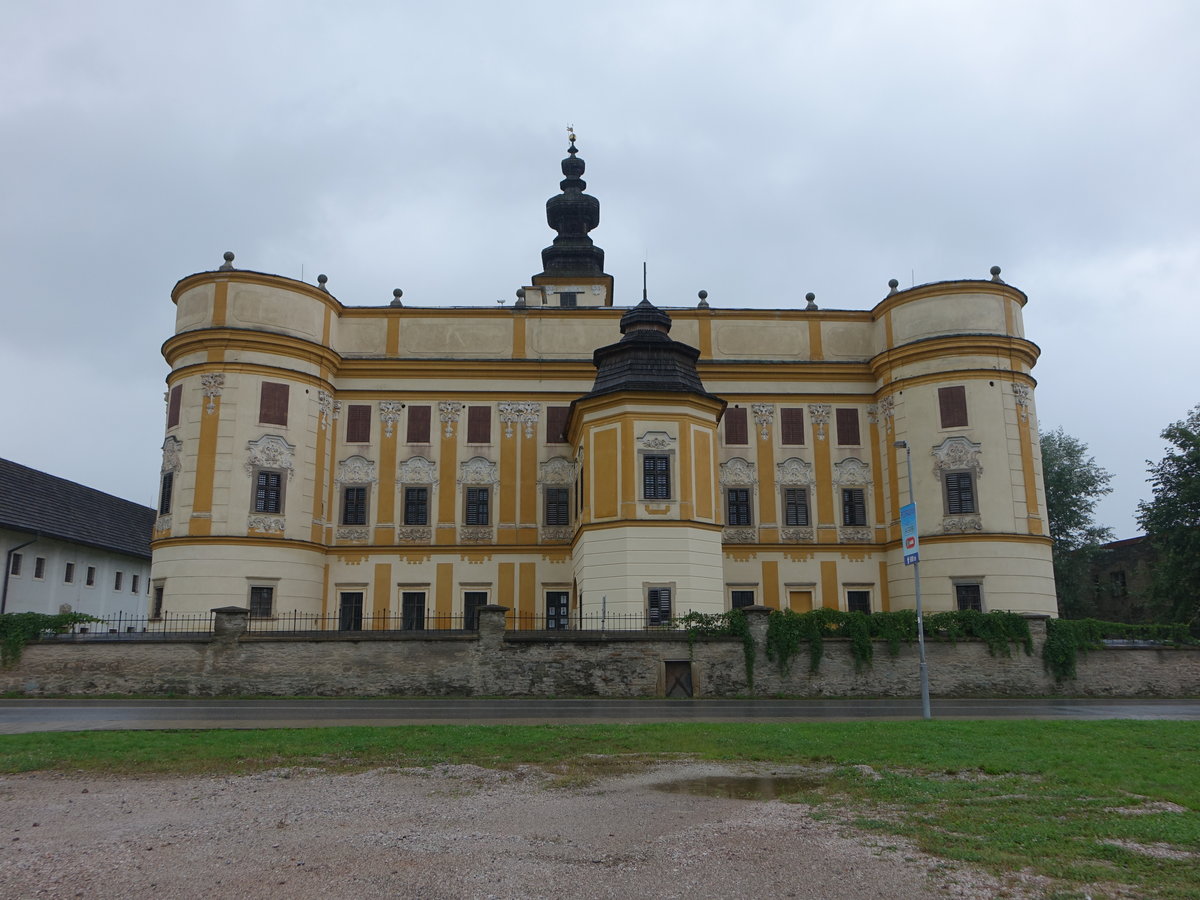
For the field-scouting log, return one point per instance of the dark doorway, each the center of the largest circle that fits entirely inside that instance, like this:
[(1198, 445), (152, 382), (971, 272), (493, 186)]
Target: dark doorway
[(472, 600), (558, 610), (678, 678), (350, 611), (412, 610)]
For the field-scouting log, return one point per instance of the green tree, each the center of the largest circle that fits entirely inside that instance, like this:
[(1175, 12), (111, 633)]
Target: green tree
[(1171, 519), (1074, 484)]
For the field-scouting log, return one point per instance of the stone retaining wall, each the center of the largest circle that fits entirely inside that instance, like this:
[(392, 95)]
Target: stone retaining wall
[(494, 662)]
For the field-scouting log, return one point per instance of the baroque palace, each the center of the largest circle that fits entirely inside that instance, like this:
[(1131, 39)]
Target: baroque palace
[(563, 457)]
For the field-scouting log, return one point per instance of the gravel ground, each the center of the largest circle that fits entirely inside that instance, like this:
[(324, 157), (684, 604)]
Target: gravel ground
[(450, 831)]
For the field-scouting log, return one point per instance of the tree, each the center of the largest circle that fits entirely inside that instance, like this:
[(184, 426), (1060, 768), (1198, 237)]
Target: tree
[(1074, 484), (1172, 521)]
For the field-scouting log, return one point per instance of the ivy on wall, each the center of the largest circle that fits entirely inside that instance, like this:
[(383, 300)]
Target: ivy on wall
[(18, 629)]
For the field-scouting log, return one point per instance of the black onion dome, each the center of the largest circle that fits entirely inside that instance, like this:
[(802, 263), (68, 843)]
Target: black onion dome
[(646, 358), (573, 214)]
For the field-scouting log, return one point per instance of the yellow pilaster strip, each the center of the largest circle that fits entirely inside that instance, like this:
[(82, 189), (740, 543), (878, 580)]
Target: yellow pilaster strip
[(885, 598), (876, 470), (526, 590), (816, 349), (325, 591), (889, 340), (770, 583), (383, 593), (629, 471), (326, 515), (705, 338), (518, 346), (385, 522), (705, 473), (316, 534), (527, 521), (687, 473), (448, 475), (603, 472), (504, 591), (1031, 501), (508, 482), (444, 590), (824, 477), (768, 500), (893, 474), (220, 303), (326, 329), (392, 340), (206, 464), (1008, 314), (829, 584)]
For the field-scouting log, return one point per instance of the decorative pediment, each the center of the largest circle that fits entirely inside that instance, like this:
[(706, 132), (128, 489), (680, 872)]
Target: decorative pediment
[(417, 470), (738, 471), (356, 470), (851, 472), (477, 470), (794, 471), (558, 470), (171, 449), (656, 440), (270, 452), (956, 454)]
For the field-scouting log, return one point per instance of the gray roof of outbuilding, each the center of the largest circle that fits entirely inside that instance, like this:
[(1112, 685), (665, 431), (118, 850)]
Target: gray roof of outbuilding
[(36, 502)]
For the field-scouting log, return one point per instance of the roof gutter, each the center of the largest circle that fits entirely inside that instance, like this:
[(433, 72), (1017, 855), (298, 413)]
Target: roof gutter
[(8, 570)]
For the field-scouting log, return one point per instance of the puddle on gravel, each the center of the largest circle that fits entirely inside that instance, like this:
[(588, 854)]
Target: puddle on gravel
[(742, 787)]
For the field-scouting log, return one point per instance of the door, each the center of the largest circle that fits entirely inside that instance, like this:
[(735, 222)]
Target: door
[(472, 600), (412, 610), (558, 610), (350, 611), (678, 678)]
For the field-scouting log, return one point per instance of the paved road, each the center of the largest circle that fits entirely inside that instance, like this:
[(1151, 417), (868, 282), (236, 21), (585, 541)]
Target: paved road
[(20, 716)]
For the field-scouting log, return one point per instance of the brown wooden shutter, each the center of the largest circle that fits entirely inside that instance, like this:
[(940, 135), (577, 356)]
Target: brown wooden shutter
[(358, 424), (479, 425), (418, 424), (791, 425), (173, 406), (735, 426), (847, 428), (952, 402), (273, 403), (556, 424)]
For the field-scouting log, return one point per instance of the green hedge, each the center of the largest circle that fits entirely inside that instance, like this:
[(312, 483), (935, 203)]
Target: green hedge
[(18, 629)]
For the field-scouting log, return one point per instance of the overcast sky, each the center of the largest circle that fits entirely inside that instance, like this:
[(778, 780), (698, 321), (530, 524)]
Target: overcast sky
[(757, 150)]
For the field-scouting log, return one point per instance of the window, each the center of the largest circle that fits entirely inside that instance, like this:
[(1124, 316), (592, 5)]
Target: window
[(795, 507), (791, 425), (558, 610), (969, 596), (39, 567), (741, 599), (847, 428), (90, 581), (558, 506), (273, 403), (175, 398), (14, 567), (960, 493), (952, 404), (418, 424), (1117, 585), (354, 505), (472, 600), (854, 507), (117, 579), (738, 504), (658, 606), (156, 612), (735, 426), (262, 599), (858, 601), (350, 610), (133, 583), (656, 477), (479, 425), (412, 610), (268, 492), (569, 299), (69, 574), (416, 506), (478, 511), (164, 495), (556, 424), (358, 424)]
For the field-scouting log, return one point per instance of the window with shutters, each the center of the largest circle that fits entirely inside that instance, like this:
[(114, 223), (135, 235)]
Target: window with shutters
[(737, 504), (418, 424), (479, 425), (791, 426), (358, 424), (858, 601), (268, 491), (416, 506), (656, 476), (478, 510), (273, 404), (558, 506), (658, 605), (556, 424), (262, 601), (960, 493), (740, 599), (969, 596), (164, 495), (735, 426), (174, 401), (847, 428), (952, 405), (795, 507), (854, 507), (354, 505)]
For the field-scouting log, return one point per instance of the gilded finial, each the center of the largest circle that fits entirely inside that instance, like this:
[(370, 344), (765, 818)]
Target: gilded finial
[(571, 133)]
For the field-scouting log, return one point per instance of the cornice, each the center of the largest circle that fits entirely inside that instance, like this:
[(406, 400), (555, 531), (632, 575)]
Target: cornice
[(944, 288), (247, 276)]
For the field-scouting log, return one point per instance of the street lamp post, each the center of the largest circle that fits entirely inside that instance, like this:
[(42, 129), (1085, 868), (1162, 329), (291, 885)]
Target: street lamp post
[(924, 669)]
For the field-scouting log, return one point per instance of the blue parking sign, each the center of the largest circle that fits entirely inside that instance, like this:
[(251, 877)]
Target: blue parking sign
[(908, 533)]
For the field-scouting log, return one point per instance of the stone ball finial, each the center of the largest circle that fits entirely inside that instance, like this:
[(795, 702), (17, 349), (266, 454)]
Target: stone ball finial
[(995, 270), (893, 284), (321, 279), (228, 264), (703, 304), (811, 298), (520, 297), (396, 295)]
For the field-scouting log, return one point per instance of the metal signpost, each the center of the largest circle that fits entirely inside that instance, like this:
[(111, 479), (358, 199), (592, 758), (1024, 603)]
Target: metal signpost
[(912, 557)]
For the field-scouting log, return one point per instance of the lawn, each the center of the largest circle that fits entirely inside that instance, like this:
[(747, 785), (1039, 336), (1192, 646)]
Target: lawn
[(1115, 802)]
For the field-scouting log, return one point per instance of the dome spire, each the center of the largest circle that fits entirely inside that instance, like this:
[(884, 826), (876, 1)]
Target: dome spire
[(573, 214)]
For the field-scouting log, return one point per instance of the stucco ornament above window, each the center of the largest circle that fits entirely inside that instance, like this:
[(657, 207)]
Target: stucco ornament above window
[(794, 471), (738, 471), (764, 415), (558, 470), (417, 470), (819, 414), (477, 471), (449, 412), (212, 385), (522, 412), (270, 452), (957, 454), (389, 415), (656, 440), (356, 470), (851, 472)]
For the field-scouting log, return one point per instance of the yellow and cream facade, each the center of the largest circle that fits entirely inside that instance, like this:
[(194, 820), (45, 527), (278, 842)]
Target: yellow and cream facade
[(399, 461)]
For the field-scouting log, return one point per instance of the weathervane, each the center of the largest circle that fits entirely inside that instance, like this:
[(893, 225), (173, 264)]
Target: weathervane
[(571, 133)]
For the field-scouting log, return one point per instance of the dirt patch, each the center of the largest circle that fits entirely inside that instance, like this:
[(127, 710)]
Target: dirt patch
[(443, 832)]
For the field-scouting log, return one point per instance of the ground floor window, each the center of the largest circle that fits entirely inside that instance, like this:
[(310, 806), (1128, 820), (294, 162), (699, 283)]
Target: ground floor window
[(472, 601), (969, 596), (157, 608), (412, 610), (658, 605), (858, 601), (740, 599), (262, 601)]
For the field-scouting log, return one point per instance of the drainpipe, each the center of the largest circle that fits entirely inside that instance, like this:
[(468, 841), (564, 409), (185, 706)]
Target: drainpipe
[(8, 570)]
